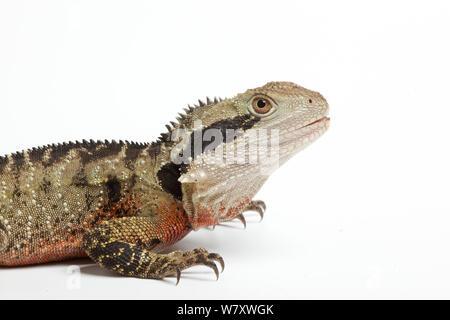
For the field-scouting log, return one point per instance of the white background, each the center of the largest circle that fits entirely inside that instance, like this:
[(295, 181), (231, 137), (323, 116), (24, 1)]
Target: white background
[(362, 213)]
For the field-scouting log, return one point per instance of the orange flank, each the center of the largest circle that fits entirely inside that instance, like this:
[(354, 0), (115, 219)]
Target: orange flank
[(60, 247)]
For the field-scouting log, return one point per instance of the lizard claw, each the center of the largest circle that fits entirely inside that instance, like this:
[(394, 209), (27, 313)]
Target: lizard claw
[(200, 256), (255, 205), (242, 219), (213, 266), (258, 206), (218, 258), (178, 275)]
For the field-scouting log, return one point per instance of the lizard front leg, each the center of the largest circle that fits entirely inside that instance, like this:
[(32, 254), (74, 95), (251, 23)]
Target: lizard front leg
[(129, 246)]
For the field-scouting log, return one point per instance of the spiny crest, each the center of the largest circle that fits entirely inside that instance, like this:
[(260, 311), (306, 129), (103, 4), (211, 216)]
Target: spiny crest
[(184, 119), (36, 152)]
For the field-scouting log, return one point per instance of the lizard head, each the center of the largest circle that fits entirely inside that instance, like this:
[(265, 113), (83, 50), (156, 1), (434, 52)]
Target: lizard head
[(295, 115), (298, 116), (212, 185)]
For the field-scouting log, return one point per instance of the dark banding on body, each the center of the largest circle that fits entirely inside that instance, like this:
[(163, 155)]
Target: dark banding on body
[(57, 152), (88, 151), (36, 155), (3, 163), (94, 151), (114, 189), (133, 150), (168, 176), (19, 159)]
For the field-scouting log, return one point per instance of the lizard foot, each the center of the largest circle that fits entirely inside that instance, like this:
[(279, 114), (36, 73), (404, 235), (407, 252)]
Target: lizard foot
[(258, 206), (255, 205), (180, 261), (129, 246)]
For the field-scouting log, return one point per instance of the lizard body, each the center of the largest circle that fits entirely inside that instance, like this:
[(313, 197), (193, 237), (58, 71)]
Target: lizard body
[(121, 203)]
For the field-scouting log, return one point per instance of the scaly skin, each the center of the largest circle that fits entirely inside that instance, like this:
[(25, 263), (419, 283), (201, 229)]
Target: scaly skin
[(122, 203)]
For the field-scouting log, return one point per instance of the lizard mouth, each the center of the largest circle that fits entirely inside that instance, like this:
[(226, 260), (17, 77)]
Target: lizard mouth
[(323, 119), (301, 136)]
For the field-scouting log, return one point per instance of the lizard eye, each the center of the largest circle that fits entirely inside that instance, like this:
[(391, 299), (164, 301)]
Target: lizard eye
[(261, 105)]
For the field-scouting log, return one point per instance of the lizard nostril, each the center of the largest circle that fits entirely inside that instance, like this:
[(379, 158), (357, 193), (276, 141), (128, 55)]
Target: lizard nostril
[(310, 101)]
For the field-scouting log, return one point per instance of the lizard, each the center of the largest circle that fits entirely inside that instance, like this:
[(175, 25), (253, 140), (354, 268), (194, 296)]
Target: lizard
[(124, 204)]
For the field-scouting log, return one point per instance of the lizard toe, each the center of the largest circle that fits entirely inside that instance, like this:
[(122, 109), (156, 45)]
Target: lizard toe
[(258, 206), (196, 257)]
